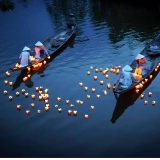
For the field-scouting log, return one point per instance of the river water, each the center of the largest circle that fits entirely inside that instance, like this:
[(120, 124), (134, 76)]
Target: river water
[(117, 32)]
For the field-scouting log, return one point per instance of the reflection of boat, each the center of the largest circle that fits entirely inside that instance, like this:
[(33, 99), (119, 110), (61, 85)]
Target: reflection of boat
[(128, 98), (52, 44), (153, 64), (40, 70)]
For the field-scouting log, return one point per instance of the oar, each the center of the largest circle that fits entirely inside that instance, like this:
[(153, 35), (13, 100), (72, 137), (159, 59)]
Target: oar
[(83, 34)]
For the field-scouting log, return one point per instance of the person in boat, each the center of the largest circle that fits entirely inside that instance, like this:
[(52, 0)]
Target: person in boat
[(71, 22), (24, 57), (142, 64), (127, 77), (40, 50)]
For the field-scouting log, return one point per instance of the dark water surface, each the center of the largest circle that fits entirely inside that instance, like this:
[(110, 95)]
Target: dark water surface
[(117, 33)]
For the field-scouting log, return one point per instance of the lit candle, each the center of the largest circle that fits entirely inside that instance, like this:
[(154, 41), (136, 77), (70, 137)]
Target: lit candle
[(101, 82), (44, 62), (91, 67), (46, 91), (40, 92), (142, 96), (46, 101), (40, 97), (25, 79), (29, 75), (48, 57), (41, 88), (150, 76)]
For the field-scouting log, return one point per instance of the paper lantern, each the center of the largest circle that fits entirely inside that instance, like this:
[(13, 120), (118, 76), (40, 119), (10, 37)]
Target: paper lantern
[(142, 96), (17, 93), (150, 76), (67, 101), (5, 82), (100, 69), (107, 76), (86, 88), (114, 87), (10, 83), (56, 106), (150, 94), (40, 97), (108, 86), (92, 107), (156, 69), (19, 107), (7, 74), (47, 108), (69, 112), (37, 89), (32, 104), (91, 67), (33, 96), (80, 102), (153, 102), (80, 84), (71, 105), (59, 110), (88, 96), (86, 116), (145, 102), (41, 88), (44, 62), (46, 101), (23, 91), (117, 71), (58, 99), (10, 97), (29, 75), (88, 73), (29, 69), (48, 57), (77, 101), (75, 113), (137, 90), (47, 105), (143, 82), (96, 70), (146, 80), (105, 92), (39, 64), (28, 112), (40, 92), (46, 91), (26, 94), (25, 79), (101, 82), (38, 111), (98, 96), (93, 90), (95, 77), (5, 92)]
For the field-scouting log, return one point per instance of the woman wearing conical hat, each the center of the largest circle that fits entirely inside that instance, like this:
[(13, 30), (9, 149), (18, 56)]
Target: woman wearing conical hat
[(24, 57), (71, 22), (40, 50), (142, 63), (126, 77)]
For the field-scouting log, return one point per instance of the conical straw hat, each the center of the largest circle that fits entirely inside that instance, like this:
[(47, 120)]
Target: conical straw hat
[(139, 56), (38, 44), (26, 48), (127, 68)]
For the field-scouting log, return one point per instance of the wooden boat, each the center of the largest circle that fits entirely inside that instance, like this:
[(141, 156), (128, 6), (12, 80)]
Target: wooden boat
[(154, 67), (52, 44)]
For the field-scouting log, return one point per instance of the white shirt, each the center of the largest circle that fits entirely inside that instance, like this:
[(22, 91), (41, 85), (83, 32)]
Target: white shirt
[(126, 78), (24, 56)]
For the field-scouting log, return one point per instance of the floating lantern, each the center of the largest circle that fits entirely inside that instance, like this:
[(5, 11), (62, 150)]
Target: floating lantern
[(153, 102), (105, 92), (5, 92), (91, 67), (146, 80), (80, 102), (143, 82), (25, 79), (111, 70), (48, 57), (88, 72), (150, 94), (117, 71), (29, 75), (46, 91), (106, 69), (28, 112), (140, 85), (96, 70), (47, 108), (59, 110), (47, 105), (7, 74), (80, 84), (75, 113), (150, 76), (40, 92), (72, 105), (101, 82), (137, 86), (114, 87), (145, 102), (137, 90), (33, 96), (45, 97), (156, 69), (98, 96), (104, 72), (108, 86), (142, 96), (56, 106), (67, 102), (10, 83), (17, 93), (32, 104), (92, 107), (69, 112), (38, 111), (44, 62), (10, 97), (100, 69), (26, 94), (39, 64), (77, 101), (86, 88), (29, 69), (23, 91), (158, 64), (86, 116), (58, 99), (95, 77), (5, 82), (88, 96), (107, 76), (46, 101), (93, 90), (19, 107), (37, 89), (41, 88), (40, 97)]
